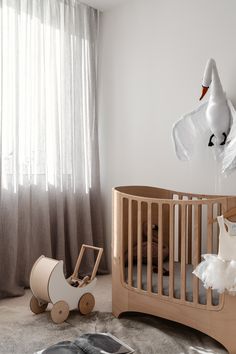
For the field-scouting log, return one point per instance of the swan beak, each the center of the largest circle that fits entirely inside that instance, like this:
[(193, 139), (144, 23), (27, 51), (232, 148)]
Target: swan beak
[(204, 91)]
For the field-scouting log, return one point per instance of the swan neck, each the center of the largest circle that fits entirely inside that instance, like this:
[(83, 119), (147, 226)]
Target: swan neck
[(217, 89)]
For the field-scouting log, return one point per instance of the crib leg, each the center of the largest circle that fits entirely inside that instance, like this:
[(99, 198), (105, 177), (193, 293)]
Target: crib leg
[(116, 312)]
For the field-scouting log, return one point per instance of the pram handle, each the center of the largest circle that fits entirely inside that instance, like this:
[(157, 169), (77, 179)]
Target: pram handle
[(96, 265)]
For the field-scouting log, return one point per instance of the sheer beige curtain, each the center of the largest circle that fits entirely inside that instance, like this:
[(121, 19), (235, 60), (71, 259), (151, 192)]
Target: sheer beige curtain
[(50, 196)]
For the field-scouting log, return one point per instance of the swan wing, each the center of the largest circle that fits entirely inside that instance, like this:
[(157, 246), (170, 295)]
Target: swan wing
[(229, 154), (188, 130)]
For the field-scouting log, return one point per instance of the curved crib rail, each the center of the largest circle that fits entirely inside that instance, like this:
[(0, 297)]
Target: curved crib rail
[(184, 224)]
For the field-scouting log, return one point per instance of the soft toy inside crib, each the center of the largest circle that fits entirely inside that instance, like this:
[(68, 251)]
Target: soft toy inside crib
[(165, 249)]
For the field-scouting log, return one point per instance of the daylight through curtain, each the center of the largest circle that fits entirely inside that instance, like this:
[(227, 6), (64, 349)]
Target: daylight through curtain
[(50, 196)]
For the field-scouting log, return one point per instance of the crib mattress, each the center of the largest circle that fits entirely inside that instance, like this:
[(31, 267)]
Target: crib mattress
[(177, 283)]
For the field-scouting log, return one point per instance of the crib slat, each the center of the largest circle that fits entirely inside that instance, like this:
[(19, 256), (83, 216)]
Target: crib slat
[(219, 212), (209, 228), (189, 251), (171, 252), (139, 240), (197, 250), (209, 244), (222, 207), (130, 245), (200, 231), (160, 249), (183, 252), (149, 248), (179, 231), (123, 232)]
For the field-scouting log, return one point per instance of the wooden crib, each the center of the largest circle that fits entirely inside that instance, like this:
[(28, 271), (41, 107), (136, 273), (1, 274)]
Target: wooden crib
[(185, 224)]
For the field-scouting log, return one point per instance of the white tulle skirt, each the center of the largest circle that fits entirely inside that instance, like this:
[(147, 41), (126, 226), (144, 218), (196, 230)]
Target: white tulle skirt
[(217, 274)]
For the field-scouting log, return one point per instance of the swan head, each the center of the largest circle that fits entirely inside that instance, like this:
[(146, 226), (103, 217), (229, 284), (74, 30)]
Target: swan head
[(211, 77)]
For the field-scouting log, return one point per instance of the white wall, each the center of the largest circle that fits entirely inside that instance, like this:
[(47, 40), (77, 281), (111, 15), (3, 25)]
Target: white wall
[(152, 58)]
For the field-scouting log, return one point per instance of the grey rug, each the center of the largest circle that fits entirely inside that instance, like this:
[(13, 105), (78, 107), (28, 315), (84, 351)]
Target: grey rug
[(22, 332)]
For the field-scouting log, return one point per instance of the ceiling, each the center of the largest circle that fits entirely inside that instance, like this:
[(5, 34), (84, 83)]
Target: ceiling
[(103, 5)]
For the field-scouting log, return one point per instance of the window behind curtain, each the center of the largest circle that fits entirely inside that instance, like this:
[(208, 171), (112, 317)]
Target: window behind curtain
[(46, 94)]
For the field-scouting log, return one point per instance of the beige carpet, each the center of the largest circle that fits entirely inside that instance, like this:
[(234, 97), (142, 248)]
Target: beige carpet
[(22, 332)]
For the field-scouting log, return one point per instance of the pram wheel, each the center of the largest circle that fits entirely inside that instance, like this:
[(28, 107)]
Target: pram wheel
[(86, 303), (60, 312), (36, 307)]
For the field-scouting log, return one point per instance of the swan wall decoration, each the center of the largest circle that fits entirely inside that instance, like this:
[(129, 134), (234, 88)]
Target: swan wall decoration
[(217, 111), (215, 118)]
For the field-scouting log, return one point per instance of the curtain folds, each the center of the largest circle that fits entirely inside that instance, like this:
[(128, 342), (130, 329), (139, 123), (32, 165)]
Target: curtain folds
[(50, 187)]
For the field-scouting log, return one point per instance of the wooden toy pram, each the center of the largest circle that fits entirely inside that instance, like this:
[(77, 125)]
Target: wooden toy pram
[(48, 285)]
